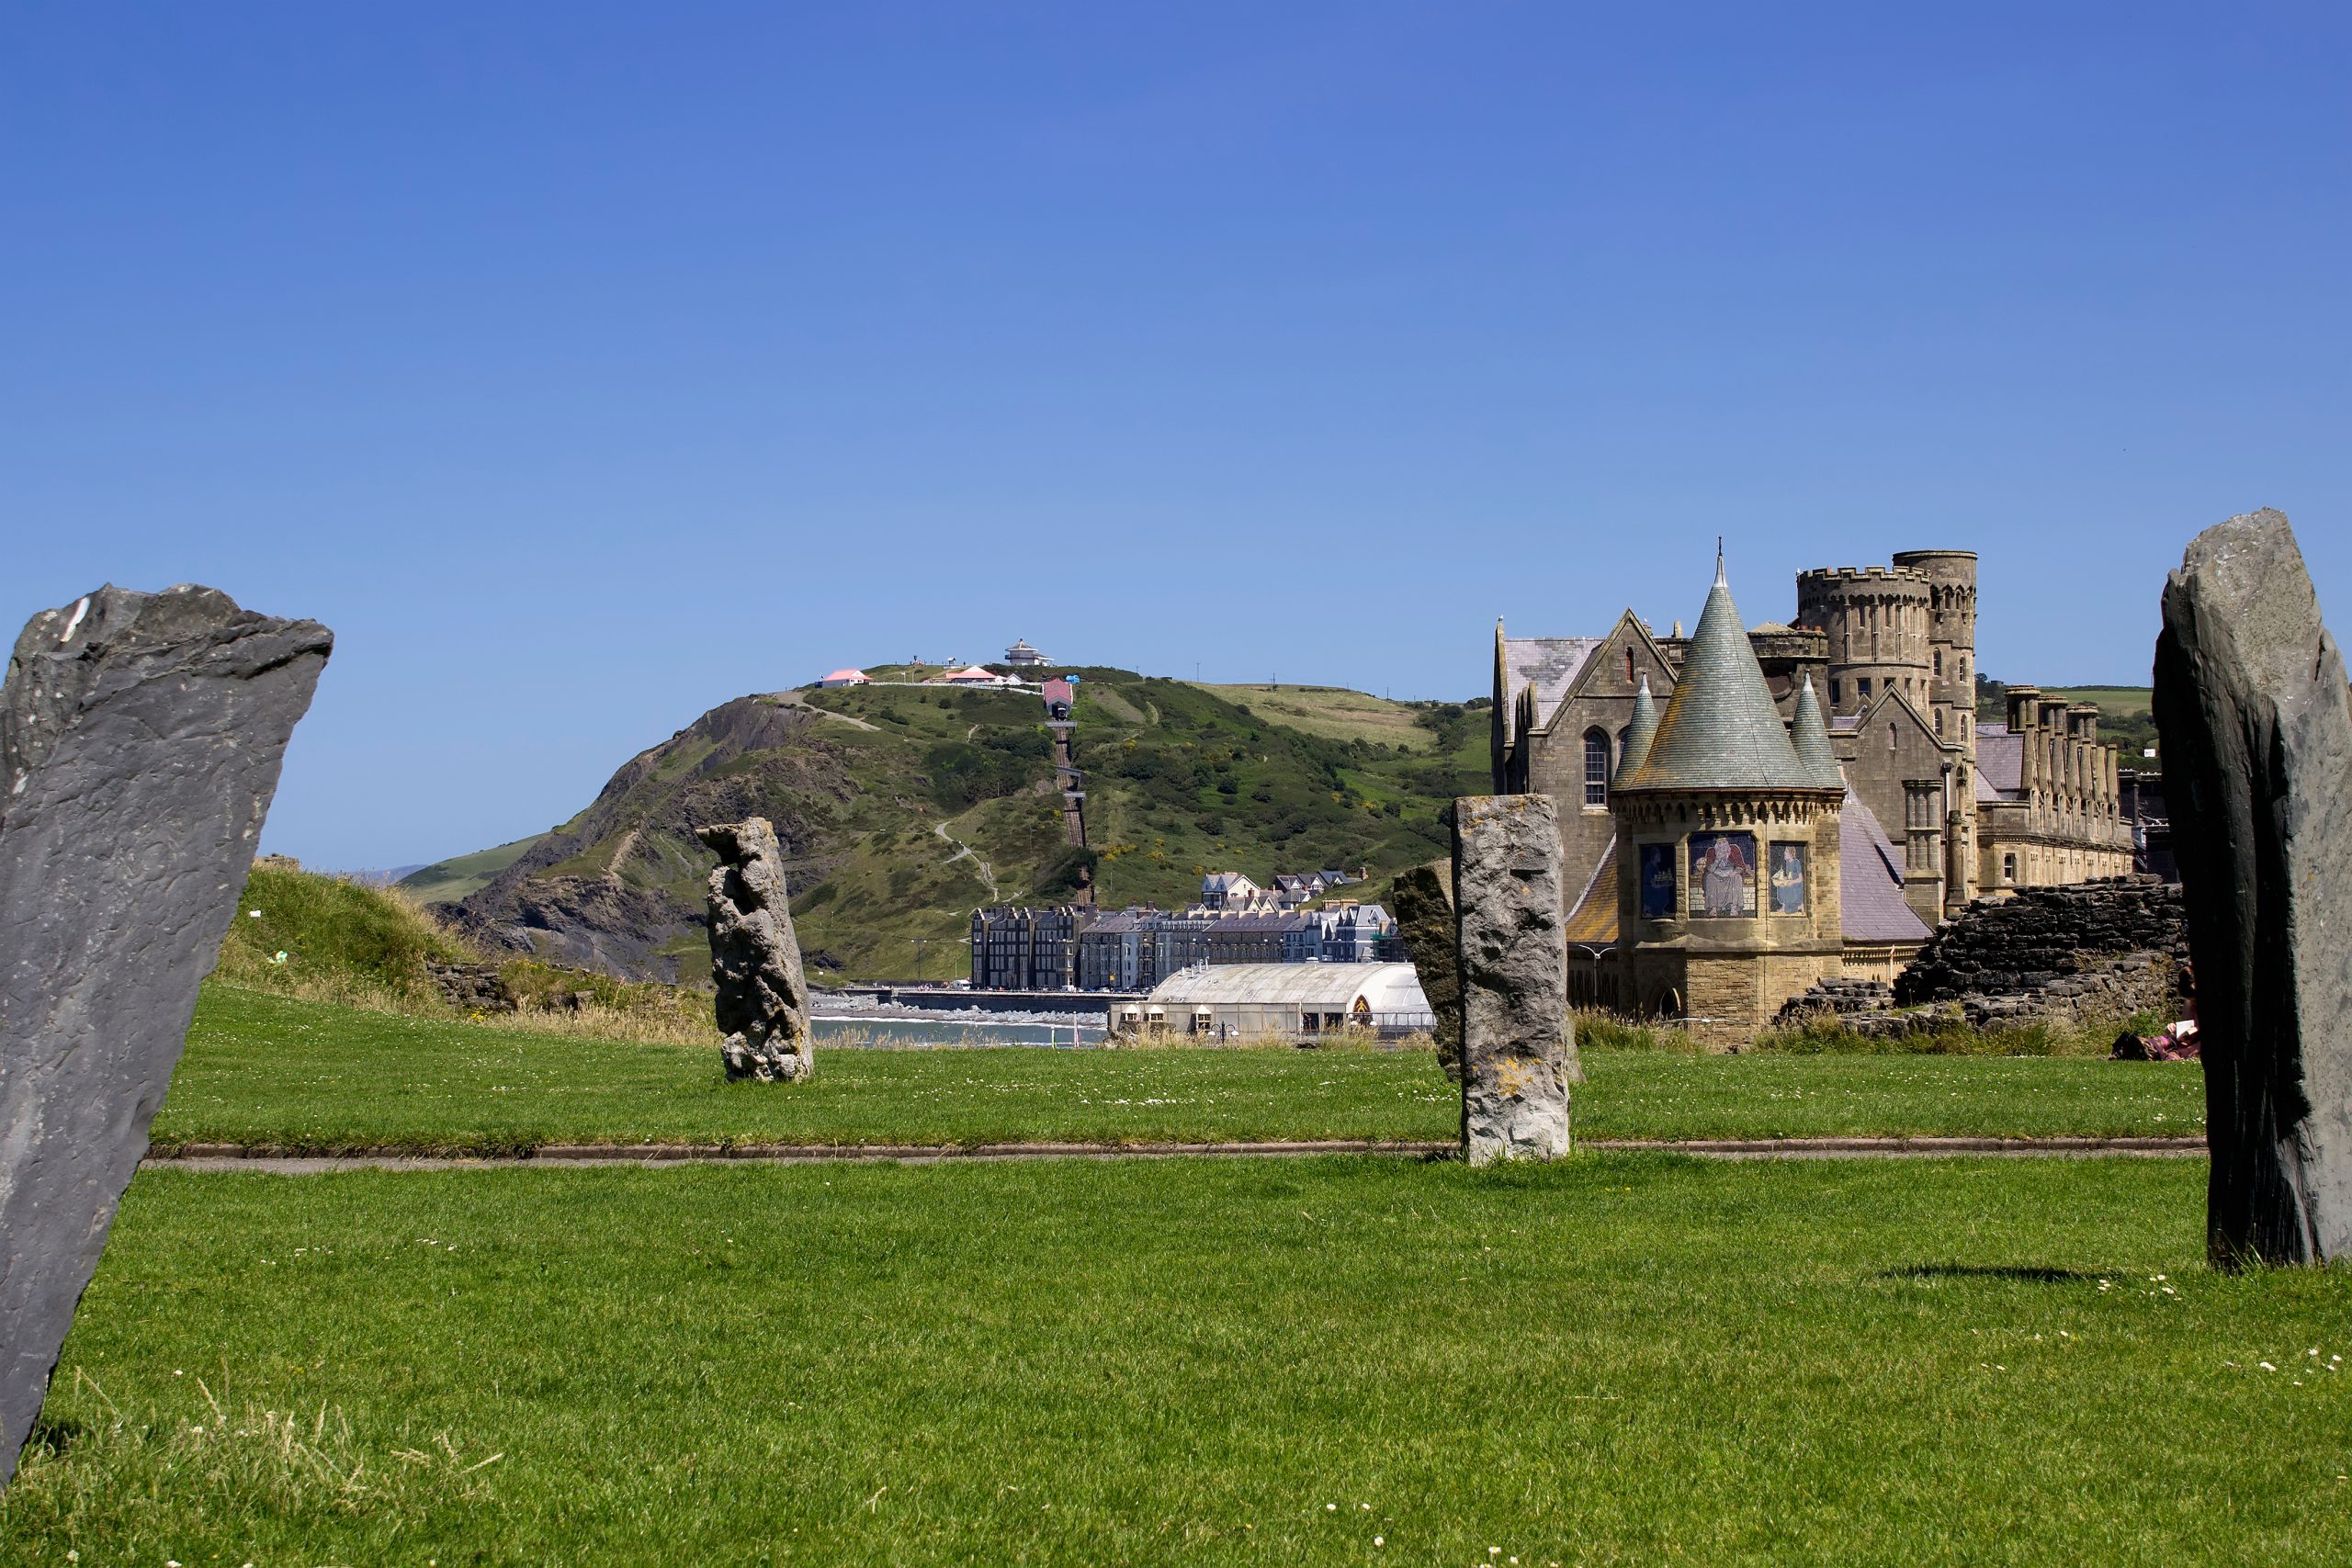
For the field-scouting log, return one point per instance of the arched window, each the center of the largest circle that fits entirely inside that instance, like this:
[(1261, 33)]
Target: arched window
[(1940, 721), (1894, 741), (1629, 666), (1596, 767)]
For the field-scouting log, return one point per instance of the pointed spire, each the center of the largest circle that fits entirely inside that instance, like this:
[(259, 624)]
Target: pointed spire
[(1810, 735), (1721, 729), (1638, 734)]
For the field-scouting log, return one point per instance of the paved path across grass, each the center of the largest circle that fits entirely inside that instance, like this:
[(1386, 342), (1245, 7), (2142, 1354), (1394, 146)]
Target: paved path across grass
[(237, 1158)]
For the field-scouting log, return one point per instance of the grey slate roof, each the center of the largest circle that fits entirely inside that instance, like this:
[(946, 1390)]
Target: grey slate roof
[(1550, 664), (1870, 881), (2000, 762), (1810, 736), (1721, 729), (1638, 734)]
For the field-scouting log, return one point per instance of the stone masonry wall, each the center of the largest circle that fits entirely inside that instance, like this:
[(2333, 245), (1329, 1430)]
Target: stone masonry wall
[(2044, 937), (2069, 957)]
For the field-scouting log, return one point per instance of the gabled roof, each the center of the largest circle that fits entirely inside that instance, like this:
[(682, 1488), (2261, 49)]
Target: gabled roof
[(1870, 907), (1550, 664), (1721, 729)]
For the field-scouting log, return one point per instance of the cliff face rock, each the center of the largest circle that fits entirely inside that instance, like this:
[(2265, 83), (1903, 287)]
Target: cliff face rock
[(140, 737), (2257, 717), (619, 890)]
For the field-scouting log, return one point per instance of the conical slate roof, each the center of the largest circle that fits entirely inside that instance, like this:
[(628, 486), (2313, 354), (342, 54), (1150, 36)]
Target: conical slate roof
[(1810, 736), (1638, 734), (1720, 729)]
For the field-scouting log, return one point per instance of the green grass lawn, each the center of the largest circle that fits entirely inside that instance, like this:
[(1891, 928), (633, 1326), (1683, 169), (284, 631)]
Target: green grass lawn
[(1618, 1359), (265, 1070)]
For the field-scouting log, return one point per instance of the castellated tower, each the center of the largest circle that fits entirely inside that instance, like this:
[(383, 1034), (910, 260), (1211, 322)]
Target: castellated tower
[(1879, 622), (1951, 640)]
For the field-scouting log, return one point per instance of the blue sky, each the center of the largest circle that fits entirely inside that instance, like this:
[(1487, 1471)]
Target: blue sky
[(585, 366)]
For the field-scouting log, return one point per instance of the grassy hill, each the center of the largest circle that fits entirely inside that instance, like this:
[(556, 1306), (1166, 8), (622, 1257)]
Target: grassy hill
[(902, 807), (450, 880), (310, 938)]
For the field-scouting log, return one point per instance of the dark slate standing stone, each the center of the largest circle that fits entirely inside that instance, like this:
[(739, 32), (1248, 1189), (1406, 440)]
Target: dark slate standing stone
[(140, 736), (1424, 901), (755, 957), (1518, 1041), (2256, 721)]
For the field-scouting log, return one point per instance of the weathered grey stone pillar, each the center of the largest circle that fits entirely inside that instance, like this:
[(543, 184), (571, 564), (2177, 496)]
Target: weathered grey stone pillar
[(1518, 1041), (2256, 722), (140, 736), (755, 957), (1424, 900)]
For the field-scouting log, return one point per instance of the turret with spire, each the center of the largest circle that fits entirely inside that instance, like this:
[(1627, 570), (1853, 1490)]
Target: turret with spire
[(1728, 840)]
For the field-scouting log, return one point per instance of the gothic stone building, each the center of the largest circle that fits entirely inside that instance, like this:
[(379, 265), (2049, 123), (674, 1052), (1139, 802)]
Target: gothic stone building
[(1963, 810)]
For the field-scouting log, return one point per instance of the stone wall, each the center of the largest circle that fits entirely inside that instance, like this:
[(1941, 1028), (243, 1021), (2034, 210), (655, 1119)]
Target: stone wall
[(2045, 937), (2069, 958)]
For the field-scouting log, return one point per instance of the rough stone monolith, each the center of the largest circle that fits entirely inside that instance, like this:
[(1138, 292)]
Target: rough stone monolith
[(2256, 718), (1518, 1041), (140, 736), (1423, 898), (755, 957)]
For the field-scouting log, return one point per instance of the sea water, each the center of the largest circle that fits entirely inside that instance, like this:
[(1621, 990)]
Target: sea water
[(894, 1033)]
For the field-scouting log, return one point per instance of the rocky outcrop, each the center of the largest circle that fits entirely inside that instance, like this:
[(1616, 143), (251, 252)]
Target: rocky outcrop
[(2255, 716), (140, 737), (1424, 909), (755, 958), (470, 988), (2041, 938), (1518, 1041), (618, 889)]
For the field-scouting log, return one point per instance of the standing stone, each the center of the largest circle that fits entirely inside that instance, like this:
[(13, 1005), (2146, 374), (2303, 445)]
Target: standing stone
[(1518, 1041), (1424, 900), (755, 958), (140, 736), (2256, 722)]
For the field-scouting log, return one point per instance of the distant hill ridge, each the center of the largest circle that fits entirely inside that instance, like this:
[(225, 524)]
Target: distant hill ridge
[(902, 807)]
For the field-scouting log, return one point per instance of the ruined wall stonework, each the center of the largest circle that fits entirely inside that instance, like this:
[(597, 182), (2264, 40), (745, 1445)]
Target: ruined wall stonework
[(2042, 935)]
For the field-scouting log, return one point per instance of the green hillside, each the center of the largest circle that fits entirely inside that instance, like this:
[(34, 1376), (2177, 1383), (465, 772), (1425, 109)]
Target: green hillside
[(2124, 720), (904, 806), (450, 880)]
